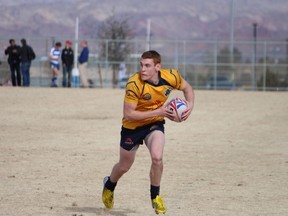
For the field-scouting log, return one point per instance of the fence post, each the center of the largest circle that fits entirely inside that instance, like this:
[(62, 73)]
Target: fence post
[(176, 55), (215, 63), (106, 60), (255, 57), (264, 66), (184, 59)]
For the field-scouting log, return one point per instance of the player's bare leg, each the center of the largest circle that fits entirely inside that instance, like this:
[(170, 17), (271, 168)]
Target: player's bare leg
[(54, 76), (155, 143), (125, 162)]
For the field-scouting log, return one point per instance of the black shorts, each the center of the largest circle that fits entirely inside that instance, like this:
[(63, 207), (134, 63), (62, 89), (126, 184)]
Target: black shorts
[(131, 139)]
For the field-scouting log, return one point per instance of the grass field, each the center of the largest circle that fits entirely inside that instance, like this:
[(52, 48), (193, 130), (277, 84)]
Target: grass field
[(56, 145)]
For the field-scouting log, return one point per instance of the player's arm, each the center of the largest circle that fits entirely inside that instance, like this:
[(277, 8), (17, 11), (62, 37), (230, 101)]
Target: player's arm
[(51, 57), (6, 50), (131, 114), (189, 96), (63, 59)]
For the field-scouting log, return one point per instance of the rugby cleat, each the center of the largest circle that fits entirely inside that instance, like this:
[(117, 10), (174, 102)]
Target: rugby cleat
[(107, 195), (158, 205)]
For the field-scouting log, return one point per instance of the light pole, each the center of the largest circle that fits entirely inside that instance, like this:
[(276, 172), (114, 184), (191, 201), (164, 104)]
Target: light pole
[(255, 57)]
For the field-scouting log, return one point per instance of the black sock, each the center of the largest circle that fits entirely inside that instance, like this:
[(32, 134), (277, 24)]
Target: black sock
[(110, 185), (154, 191)]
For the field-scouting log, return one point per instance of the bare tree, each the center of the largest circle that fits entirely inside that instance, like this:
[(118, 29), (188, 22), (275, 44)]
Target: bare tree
[(116, 32)]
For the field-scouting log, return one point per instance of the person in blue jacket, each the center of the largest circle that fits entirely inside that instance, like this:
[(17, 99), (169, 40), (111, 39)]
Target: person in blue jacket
[(83, 61)]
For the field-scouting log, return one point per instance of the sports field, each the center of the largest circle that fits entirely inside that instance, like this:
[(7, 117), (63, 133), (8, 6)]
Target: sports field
[(56, 145)]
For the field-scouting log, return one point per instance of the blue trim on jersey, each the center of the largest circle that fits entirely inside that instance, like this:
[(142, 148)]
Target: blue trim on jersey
[(55, 54), (53, 65)]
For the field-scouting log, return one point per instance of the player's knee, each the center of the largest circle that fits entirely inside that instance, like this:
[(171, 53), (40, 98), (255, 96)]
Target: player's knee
[(157, 160), (124, 168)]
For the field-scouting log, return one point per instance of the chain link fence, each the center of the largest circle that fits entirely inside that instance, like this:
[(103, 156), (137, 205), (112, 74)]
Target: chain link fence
[(248, 65)]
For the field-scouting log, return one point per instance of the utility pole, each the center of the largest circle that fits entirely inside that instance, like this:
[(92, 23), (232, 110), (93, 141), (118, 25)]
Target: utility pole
[(75, 71), (76, 42)]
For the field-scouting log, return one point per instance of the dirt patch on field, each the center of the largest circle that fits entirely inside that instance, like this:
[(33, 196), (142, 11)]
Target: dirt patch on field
[(56, 145)]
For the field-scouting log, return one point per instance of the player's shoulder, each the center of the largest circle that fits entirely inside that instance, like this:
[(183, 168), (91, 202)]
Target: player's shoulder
[(135, 76), (135, 79), (169, 74), (173, 77), (52, 51), (135, 84), (168, 71)]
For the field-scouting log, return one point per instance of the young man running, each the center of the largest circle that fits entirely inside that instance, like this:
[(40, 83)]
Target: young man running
[(143, 121)]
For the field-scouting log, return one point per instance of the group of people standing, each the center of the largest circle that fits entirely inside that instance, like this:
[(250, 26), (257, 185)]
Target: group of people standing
[(67, 57), (20, 57)]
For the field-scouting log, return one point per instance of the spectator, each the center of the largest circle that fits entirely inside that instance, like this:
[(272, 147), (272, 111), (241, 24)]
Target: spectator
[(122, 75), (13, 52), (67, 57), (27, 55), (54, 57), (83, 61)]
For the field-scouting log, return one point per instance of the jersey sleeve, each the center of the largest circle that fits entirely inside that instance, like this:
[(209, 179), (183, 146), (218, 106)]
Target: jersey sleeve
[(132, 91), (177, 80)]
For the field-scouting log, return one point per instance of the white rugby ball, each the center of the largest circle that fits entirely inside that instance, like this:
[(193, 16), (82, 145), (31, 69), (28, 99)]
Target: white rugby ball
[(178, 106)]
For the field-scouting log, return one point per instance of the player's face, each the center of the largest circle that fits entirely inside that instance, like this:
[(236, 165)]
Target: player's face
[(148, 70)]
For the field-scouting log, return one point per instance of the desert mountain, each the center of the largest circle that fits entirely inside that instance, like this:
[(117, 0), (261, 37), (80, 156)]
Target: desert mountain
[(170, 19)]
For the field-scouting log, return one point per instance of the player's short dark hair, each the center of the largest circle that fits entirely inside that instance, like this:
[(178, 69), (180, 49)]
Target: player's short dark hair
[(152, 54), (58, 44)]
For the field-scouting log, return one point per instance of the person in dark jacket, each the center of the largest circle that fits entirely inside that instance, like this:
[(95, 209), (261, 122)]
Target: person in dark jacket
[(67, 58), (27, 55), (13, 52), (83, 61)]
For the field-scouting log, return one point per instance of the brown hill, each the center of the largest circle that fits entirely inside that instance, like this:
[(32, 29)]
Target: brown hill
[(182, 19)]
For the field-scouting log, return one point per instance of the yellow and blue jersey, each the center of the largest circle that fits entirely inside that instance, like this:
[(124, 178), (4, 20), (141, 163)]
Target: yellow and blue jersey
[(148, 96)]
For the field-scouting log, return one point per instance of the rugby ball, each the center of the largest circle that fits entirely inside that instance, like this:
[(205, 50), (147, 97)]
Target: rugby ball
[(178, 106)]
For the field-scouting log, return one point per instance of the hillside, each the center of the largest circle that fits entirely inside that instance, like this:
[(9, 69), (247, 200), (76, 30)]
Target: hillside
[(182, 19)]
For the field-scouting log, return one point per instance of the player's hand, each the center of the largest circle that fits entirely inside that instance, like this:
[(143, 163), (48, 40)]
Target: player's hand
[(187, 112), (169, 113)]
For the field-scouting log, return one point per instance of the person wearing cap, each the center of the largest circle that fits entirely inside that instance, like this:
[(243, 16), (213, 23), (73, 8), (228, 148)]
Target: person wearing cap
[(67, 58)]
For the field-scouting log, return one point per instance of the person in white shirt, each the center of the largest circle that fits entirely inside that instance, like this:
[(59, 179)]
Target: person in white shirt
[(55, 56)]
